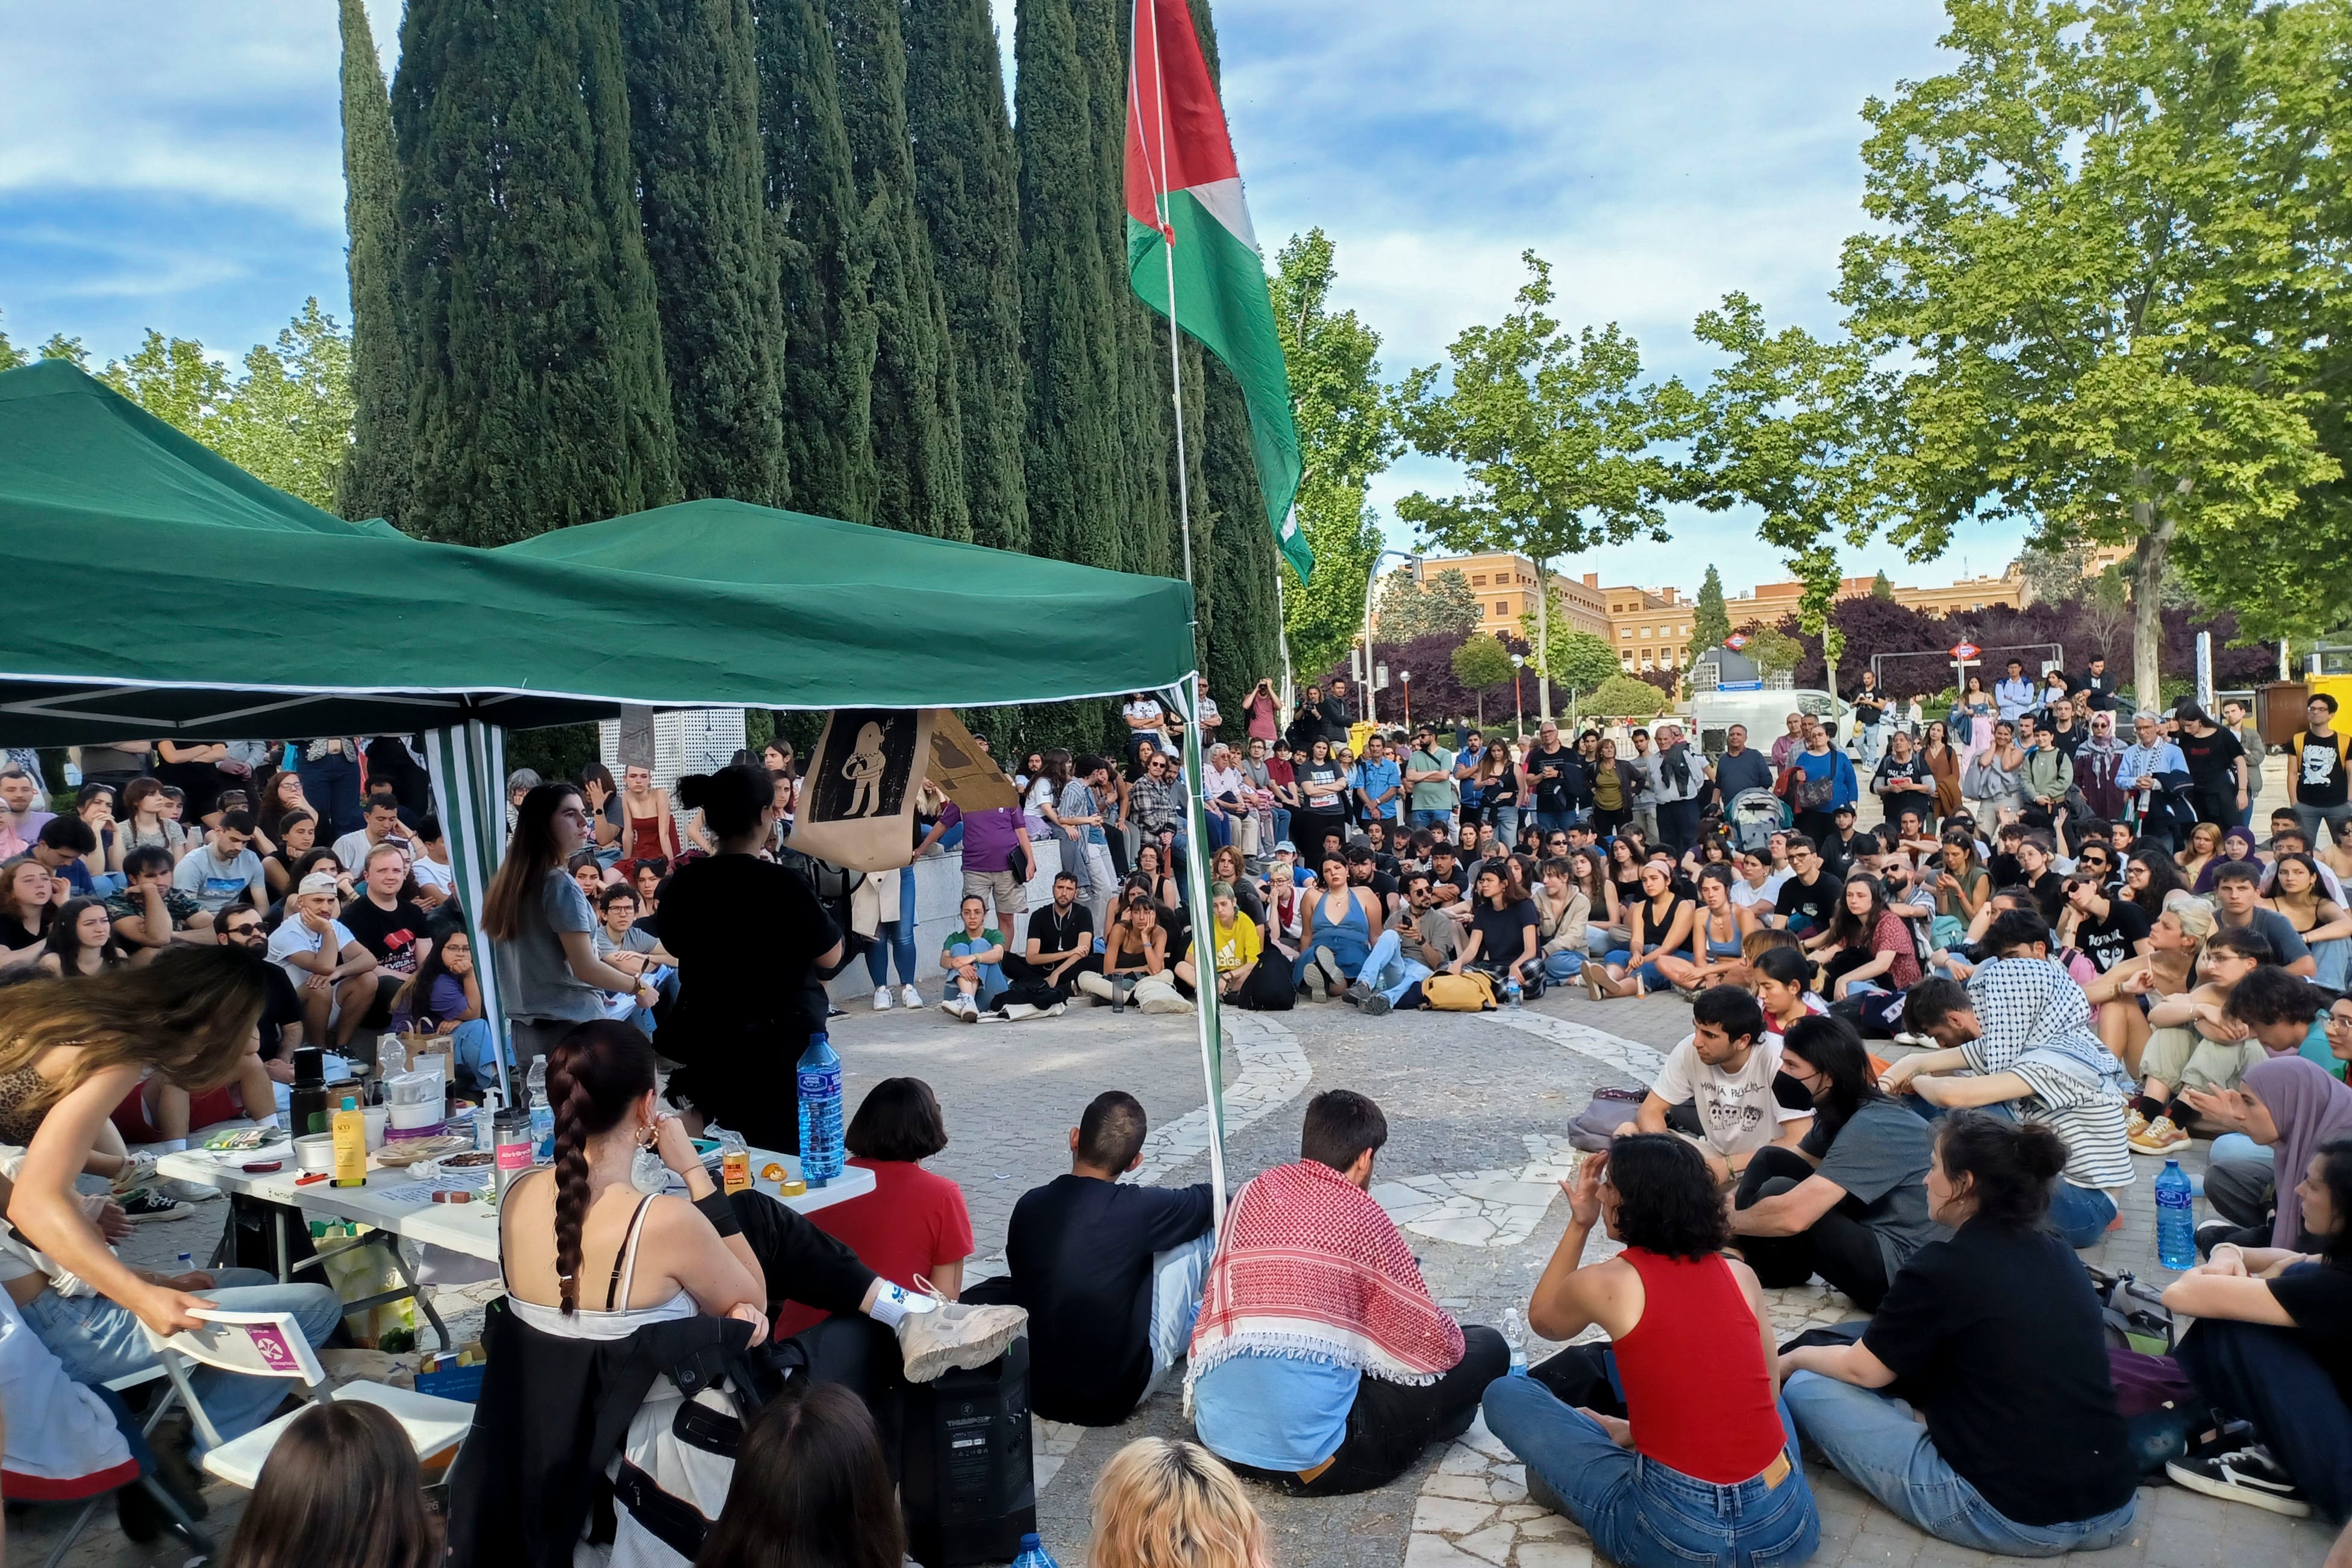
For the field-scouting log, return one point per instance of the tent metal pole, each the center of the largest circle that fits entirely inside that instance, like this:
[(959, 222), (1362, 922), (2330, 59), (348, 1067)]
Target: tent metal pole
[(1187, 698)]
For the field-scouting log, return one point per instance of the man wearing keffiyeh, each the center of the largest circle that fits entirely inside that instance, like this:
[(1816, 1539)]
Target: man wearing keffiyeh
[(1320, 1362)]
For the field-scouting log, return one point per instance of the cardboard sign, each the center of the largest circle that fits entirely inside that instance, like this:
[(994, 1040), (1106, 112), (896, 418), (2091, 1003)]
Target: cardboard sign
[(859, 796), (964, 773)]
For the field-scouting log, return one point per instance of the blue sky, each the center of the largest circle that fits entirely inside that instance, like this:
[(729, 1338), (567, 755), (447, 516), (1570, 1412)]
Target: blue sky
[(177, 166)]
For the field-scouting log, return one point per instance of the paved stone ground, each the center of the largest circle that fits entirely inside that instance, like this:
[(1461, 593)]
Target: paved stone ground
[(1478, 1110)]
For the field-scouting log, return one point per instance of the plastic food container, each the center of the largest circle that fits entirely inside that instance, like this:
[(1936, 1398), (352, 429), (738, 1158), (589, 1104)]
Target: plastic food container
[(315, 1152)]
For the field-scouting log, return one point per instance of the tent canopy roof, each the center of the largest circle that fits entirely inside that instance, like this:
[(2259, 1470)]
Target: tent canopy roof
[(139, 615)]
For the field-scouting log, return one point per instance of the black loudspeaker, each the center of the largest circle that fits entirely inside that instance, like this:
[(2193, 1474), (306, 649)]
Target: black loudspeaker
[(966, 1486)]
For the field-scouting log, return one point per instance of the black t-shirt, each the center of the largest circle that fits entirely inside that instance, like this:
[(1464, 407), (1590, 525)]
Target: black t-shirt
[(1558, 793), (2005, 870), (1807, 908), (2109, 941), (1869, 705), (747, 934), (1839, 850), (1061, 932), (1457, 878), (2213, 758), (1499, 931), (15, 938), (1380, 884), (1312, 773), (2069, 740), (2318, 1297), (2049, 892), (284, 1007), (391, 935), (1912, 769), (2319, 772), (1996, 1337), (1080, 1254)]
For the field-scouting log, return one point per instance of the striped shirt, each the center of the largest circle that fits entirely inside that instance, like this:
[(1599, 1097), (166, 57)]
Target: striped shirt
[(2087, 1114)]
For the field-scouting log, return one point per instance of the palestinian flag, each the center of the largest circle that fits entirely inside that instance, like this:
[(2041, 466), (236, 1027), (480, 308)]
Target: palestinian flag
[(1184, 194)]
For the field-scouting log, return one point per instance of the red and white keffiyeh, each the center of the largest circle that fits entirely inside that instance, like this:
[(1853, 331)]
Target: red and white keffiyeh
[(1309, 1266)]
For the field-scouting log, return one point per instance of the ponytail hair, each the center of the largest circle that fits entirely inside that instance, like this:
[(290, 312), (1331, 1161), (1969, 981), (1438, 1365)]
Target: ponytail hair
[(594, 1075), (2010, 1164), (730, 800)]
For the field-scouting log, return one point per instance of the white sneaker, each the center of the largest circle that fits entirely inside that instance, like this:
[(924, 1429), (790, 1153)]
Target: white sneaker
[(190, 1191), (956, 1335), (952, 1005), (881, 999), (1160, 1004), (910, 997)]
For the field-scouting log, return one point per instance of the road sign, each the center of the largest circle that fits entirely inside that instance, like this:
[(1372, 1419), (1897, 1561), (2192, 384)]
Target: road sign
[(1736, 642), (1966, 651)]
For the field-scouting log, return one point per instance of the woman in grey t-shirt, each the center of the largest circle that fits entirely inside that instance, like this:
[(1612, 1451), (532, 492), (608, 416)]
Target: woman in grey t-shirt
[(541, 927)]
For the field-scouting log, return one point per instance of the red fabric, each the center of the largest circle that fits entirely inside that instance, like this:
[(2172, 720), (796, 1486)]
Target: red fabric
[(1176, 136), (20, 1488), (911, 1222), (1696, 1390), (208, 1109), (1893, 936), (1308, 1265)]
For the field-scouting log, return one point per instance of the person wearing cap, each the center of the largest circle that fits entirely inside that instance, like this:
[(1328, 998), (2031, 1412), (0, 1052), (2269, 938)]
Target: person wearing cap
[(332, 970), (1842, 845)]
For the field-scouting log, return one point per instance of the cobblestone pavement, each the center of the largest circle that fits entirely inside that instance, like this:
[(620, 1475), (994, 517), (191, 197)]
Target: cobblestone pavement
[(1478, 1110)]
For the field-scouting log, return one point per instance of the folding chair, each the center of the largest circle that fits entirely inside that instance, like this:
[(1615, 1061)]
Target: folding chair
[(92, 1488), (270, 1344)]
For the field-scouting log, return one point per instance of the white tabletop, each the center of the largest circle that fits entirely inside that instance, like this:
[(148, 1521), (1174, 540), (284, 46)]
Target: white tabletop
[(468, 1228)]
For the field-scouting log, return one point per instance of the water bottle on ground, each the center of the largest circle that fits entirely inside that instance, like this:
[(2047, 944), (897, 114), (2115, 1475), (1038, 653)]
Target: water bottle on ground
[(2175, 1219), (1033, 1554), (821, 1127), (543, 1114), (1511, 991)]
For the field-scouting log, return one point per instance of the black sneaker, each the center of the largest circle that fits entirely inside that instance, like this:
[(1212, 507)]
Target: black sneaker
[(141, 1203), (1374, 1005), (2212, 1233), (1357, 992), (2248, 1475)]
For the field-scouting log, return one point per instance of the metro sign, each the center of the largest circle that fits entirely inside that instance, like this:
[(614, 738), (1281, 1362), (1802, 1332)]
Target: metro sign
[(1966, 651), (1736, 642)]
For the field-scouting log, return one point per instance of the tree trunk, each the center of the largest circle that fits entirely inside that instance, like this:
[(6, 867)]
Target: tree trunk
[(2148, 604), (1543, 640)]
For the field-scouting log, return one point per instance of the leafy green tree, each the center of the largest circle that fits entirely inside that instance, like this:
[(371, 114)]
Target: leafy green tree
[(1773, 651), (967, 181), (1074, 454), (829, 332), (1883, 587), (1441, 603), (1582, 661), (376, 469), (1622, 697), (1710, 621), (541, 399), (289, 423), (1561, 444), (1346, 436), (11, 356), (174, 380), (1791, 430), (694, 128), (1481, 665), (918, 426), (2106, 249)]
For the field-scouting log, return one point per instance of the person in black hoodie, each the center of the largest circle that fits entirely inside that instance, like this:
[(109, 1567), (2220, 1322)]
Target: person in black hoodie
[(1110, 1272)]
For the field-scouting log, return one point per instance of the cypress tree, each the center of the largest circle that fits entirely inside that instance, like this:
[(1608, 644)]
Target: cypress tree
[(917, 428), (375, 474), (541, 399), (828, 322), (1074, 458), (966, 187), (694, 123)]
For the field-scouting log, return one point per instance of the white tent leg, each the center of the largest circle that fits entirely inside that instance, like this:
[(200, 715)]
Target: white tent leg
[(1187, 699), (467, 766)]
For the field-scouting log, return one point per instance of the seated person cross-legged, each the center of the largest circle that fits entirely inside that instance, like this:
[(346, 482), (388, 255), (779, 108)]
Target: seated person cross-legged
[(1060, 947), (1321, 1362), (1722, 1088), (2273, 1345), (1850, 1203), (1109, 1271), (1996, 1337), (1669, 1445)]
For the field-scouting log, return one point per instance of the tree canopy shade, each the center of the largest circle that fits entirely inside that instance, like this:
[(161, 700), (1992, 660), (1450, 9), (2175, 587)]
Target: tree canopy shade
[(283, 618)]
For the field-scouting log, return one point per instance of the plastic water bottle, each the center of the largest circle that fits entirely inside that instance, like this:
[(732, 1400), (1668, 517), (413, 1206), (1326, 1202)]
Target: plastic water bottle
[(820, 1129), (2175, 1219), (543, 1114), (1511, 991), (1033, 1554)]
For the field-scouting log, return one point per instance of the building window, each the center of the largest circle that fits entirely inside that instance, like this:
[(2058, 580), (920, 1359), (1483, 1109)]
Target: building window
[(1502, 607), (1624, 632), (1479, 581), (1645, 632)]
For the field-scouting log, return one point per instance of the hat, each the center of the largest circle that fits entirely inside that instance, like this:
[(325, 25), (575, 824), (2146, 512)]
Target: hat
[(317, 882), (1284, 847), (1845, 810)]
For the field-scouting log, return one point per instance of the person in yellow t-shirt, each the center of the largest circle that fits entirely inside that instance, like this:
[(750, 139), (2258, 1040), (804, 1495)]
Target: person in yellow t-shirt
[(1236, 945)]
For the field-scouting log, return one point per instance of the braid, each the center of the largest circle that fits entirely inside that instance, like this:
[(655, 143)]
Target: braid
[(572, 1102)]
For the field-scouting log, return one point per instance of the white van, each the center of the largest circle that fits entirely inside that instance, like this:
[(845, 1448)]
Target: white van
[(1766, 714)]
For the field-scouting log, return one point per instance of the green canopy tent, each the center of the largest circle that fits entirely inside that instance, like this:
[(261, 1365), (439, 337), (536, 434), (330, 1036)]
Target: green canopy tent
[(162, 592)]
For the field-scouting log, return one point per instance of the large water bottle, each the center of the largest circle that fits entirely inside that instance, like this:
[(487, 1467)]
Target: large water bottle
[(1033, 1554), (543, 1114), (2175, 1219), (820, 1129), (1511, 989)]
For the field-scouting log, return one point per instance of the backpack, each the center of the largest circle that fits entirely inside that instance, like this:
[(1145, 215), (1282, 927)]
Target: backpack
[(1470, 991)]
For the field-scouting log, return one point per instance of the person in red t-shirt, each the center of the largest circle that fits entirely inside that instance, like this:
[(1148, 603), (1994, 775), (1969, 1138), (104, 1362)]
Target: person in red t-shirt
[(913, 1226)]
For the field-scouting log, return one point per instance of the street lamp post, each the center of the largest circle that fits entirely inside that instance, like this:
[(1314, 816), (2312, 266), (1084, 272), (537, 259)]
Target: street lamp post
[(1371, 577), (1518, 712), (1406, 677)]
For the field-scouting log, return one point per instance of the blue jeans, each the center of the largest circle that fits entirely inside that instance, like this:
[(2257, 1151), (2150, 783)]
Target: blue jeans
[(1387, 959), (99, 1340), (2080, 1214), (1439, 819), (1558, 966), (1550, 822), (2238, 1146), (897, 937), (1874, 1443), (1506, 823), (1281, 827), (1652, 979), (474, 1049), (331, 784), (1641, 1513)]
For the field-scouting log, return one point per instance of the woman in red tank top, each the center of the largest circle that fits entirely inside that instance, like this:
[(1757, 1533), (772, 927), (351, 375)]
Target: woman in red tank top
[(1669, 1445), (649, 830)]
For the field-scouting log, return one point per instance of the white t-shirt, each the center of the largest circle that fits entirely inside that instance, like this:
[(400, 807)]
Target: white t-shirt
[(351, 851), (1737, 1110), (1143, 708), (430, 872), (293, 936), (1745, 895), (215, 883)]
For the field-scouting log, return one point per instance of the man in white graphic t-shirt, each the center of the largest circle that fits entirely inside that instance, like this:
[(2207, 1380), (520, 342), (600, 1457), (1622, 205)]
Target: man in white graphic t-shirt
[(1718, 1087)]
